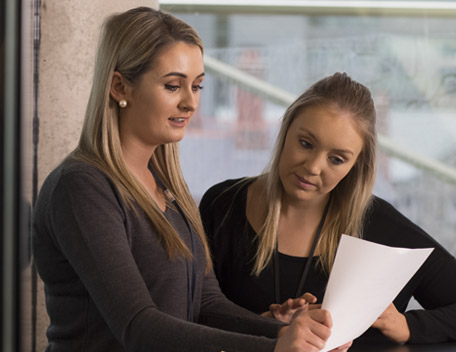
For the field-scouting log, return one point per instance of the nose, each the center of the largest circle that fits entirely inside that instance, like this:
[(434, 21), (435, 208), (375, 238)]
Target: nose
[(314, 164), (189, 100)]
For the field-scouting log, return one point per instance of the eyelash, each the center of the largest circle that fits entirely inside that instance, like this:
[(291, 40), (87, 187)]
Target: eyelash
[(305, 144), (334, 159), (174, 88)]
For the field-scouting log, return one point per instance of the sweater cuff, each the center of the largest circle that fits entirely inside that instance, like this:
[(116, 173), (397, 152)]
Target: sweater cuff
[(422, 328)]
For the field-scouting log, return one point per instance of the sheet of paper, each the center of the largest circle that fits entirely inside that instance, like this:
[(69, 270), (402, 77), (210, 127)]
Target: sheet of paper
[(364, 280)]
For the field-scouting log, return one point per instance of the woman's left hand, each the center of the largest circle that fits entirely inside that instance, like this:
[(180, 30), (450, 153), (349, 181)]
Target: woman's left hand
[(393, 325)]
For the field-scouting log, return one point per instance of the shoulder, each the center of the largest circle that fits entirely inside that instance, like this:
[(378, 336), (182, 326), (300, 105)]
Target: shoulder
[(81, 172), (71, 167), (74, 168), (386, 225), (224, 192), (74, 179), (383, 215)]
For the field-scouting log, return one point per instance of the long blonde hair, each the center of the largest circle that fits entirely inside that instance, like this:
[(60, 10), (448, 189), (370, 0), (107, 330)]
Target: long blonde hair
[(351, 198), (129, 44)]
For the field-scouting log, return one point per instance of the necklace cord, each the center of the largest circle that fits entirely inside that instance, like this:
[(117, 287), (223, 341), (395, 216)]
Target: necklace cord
[(305, 272)]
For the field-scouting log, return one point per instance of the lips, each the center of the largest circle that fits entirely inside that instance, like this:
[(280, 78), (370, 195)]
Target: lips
[(178, 119), (305, 183)]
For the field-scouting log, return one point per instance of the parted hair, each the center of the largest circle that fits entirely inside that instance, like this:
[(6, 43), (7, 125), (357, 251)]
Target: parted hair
[(129, 44), (351, 198)]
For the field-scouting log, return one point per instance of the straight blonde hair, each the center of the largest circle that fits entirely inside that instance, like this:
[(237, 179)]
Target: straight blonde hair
[(351, 198), (129, 44)]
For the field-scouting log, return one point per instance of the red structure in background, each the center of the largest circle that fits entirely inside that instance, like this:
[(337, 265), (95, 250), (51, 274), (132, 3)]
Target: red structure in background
[(383, 128), (251, 129)]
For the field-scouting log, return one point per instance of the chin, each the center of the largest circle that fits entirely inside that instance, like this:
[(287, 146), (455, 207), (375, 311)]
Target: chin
[(175, 139)]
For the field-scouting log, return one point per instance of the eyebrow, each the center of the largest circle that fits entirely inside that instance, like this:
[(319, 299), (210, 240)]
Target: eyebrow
[(180, 74), (344, 151)]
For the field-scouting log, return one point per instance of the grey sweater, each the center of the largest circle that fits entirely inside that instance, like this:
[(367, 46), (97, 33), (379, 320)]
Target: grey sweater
[(110, 285)]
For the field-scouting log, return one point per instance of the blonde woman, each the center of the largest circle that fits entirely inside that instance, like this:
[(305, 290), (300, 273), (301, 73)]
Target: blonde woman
[(274, 236), (117, 238)]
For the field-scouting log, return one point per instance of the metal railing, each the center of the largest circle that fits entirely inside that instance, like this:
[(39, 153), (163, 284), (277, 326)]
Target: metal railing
[(315, 7), (281, 97)]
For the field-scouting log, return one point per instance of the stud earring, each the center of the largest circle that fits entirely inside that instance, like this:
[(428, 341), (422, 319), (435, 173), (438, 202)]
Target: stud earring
[(123, 103)]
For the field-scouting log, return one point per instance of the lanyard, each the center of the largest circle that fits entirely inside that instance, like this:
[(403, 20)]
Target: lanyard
[(305, 272), (191, 281)]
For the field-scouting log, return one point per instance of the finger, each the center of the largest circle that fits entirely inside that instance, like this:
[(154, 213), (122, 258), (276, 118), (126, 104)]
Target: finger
[(315, 341), (281, 308), (320, 330), (322, 316), (288, 303), (298, 303), (312, 332), (267, 314), (317, 321), (274, 307), (309, 297), (314, 306)]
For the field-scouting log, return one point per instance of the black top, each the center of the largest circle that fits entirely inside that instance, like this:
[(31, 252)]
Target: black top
[(232, 240), (110, 285)]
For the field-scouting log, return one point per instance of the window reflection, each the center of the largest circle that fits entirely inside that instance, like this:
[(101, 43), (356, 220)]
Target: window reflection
[(406, 60)]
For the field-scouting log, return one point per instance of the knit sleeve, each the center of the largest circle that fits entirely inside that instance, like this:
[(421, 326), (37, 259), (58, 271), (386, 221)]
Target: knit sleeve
[(88, 220), (436, 292), (434, 284)]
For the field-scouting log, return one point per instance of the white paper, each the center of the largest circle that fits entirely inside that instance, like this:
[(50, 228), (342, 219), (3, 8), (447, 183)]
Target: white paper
[(364, 280)]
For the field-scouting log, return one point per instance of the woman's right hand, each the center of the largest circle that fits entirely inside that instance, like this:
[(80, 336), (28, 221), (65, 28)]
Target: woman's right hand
[(308, 332), (285, 311)]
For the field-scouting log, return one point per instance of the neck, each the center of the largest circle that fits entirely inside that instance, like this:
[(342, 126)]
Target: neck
[(304, 210), (137, 156), (137, 159), (298, 227)]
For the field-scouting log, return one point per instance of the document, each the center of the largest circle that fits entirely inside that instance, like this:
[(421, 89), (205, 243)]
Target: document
[(364, 280)]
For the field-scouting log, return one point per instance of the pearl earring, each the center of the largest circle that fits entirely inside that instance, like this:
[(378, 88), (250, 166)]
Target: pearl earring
[(123, 103)]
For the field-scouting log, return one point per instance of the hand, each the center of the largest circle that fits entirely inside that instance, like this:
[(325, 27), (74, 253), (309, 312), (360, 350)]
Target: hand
[(307, 333), (343, 348), (393, 325), (285, 311)]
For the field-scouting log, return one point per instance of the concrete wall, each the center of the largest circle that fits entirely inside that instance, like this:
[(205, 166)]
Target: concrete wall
[(69, 35)]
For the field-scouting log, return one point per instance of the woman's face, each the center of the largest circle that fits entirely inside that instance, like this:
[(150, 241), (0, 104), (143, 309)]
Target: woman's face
[(161, 104), (321, 146)]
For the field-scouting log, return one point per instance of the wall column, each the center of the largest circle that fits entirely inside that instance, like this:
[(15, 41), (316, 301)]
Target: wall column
[(69, 36)]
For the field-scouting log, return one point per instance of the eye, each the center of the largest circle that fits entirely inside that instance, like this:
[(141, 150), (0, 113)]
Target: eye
[(171, 87), (197, 87), (305, 144), (336, 160)]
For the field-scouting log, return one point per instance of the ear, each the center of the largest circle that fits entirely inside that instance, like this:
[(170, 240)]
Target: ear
[(119, 87)]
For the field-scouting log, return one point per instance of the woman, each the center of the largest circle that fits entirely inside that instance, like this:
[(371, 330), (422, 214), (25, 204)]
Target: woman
[(117, 237), (275, 236)]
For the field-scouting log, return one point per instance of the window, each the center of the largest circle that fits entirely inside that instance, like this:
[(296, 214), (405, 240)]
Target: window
[(406, 56)]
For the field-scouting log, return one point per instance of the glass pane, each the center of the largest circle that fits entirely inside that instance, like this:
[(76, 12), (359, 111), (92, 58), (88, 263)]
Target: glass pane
[(407, 60)]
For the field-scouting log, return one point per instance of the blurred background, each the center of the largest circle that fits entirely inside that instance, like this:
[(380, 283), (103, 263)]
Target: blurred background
[(260, 58)]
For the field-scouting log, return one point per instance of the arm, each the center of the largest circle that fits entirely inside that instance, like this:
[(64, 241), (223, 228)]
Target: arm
[(428, 325), (436, 292), (433, 286), (89, 226), (393, 325), (218, 311)]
